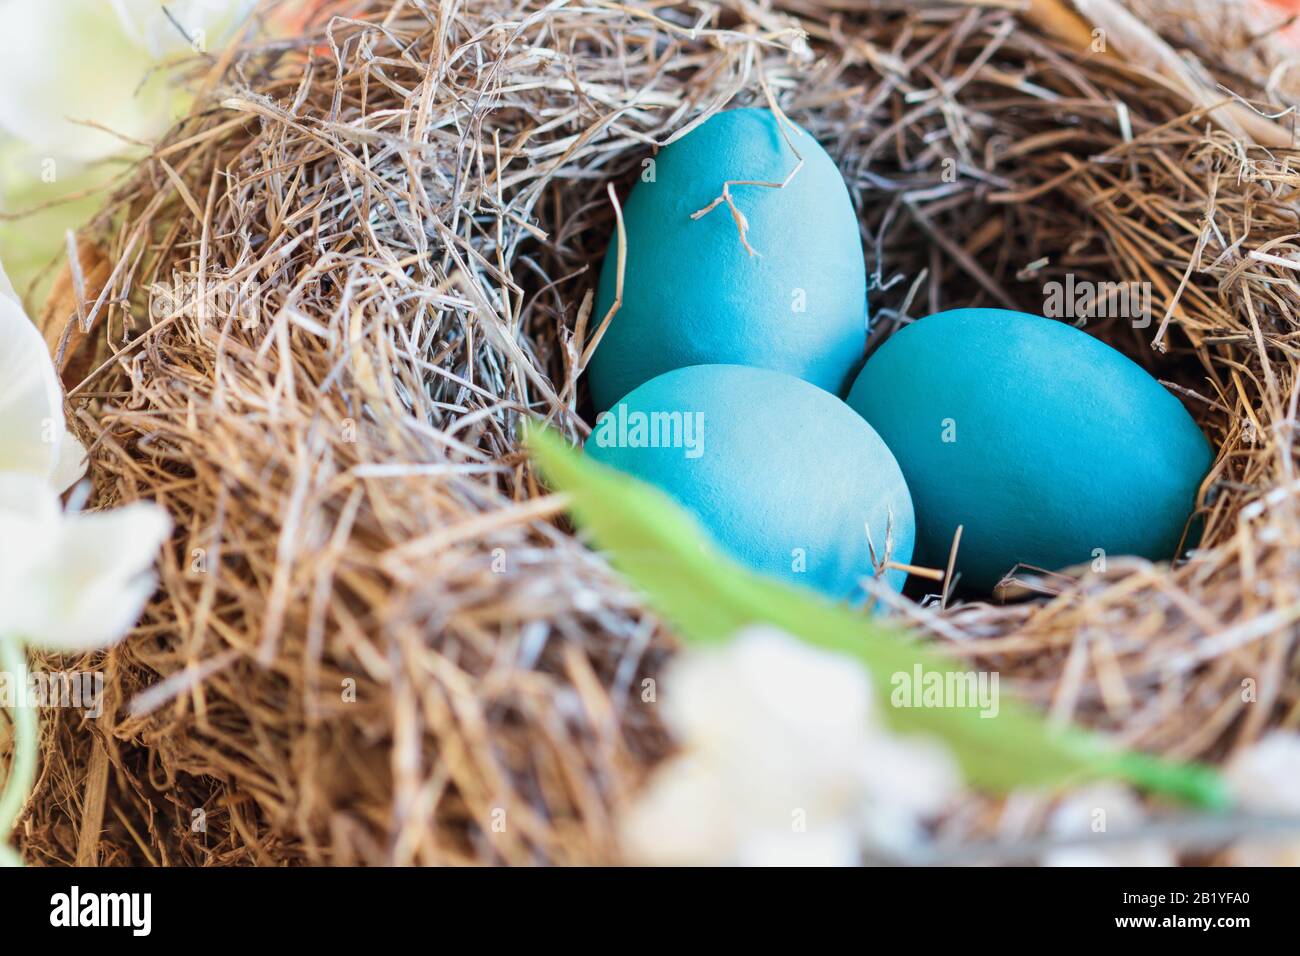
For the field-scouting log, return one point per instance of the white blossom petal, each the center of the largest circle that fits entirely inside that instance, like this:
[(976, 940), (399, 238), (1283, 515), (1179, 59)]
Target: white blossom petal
[(46, 95), (34, 437), (72, 582), (1104, 808), (29, 519), (31, 402), (1265, 778), (768, 708), (836, 844), (44, 92), (682, 819), (70, 463), (784, 759), (904, 780)]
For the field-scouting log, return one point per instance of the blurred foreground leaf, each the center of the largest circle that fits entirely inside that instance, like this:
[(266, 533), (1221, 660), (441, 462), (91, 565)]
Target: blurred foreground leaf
[(707, 597)]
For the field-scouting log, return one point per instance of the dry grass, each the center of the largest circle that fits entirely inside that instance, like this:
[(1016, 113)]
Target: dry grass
[(415, 197)]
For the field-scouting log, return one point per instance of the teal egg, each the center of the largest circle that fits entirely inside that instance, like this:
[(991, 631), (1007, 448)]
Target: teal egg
[(693, 295), (1046, 445), (784, 476)]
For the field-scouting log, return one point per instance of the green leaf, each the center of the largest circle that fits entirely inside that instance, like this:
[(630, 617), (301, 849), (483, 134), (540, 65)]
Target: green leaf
[(707, 597)]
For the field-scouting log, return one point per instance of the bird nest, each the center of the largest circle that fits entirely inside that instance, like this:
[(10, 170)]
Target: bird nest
[(310, 322)]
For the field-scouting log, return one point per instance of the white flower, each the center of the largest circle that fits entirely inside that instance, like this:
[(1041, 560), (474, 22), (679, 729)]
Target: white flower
[(34, 438), (72, 581), (82, 81), (1100, 809), (67, 581), (783, 762), (63, 61), (1265, 778), (919, 776)]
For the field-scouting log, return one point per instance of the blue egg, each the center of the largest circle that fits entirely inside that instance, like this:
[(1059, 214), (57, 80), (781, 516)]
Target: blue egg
[(693, 295), (783, 475), (1046, 445)]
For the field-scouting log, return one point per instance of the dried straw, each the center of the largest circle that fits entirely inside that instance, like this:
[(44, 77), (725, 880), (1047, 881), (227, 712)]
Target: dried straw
[(415, 195)]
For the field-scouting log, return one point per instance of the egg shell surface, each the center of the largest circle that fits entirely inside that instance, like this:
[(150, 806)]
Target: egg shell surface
[(693, 295), (784, 476), (1048, 447)]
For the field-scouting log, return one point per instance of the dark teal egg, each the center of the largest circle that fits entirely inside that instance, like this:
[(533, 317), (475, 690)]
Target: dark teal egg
[(692, 295), (1049, 447), (783, 475)]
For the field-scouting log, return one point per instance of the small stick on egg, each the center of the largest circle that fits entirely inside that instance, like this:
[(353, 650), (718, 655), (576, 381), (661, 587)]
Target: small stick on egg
[(742, 224)]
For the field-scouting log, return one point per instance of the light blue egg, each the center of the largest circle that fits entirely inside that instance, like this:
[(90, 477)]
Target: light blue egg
[(783, 475), (692, 295), (1045, 444)]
